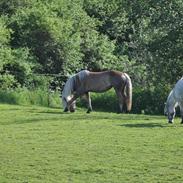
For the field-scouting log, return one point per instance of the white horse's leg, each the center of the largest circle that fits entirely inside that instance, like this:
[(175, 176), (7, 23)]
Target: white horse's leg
[(181, 111), (66, 109), (65, 104)]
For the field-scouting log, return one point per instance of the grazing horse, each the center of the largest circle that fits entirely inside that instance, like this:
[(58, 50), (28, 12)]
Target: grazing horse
[(175, 98), (85, 81)]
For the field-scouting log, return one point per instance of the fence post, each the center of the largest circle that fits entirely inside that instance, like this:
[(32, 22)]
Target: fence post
[(48, 97)]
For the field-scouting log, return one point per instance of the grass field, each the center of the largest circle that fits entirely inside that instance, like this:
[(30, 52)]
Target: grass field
[(45, 145)]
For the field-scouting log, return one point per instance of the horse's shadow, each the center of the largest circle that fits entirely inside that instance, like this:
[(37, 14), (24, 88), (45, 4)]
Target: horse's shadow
[(52, 112), (143, 125)]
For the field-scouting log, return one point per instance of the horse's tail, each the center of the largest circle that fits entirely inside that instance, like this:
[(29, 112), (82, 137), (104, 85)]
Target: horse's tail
[(128, 99)]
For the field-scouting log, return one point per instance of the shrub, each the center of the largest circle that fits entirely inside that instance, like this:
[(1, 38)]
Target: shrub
[(16, 62)]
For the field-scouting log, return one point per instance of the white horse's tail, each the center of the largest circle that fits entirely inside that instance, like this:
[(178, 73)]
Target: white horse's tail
[(128, 92)]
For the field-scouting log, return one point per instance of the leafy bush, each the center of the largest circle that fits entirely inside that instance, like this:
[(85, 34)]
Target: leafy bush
[(7, 82), (150, 101), (18, 63), (4, 32)]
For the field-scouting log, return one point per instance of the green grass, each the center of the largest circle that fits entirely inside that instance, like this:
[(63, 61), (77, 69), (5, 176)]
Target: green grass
[(40, 144)]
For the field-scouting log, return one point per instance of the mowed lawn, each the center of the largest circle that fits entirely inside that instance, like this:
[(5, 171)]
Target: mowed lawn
[(46, 145)]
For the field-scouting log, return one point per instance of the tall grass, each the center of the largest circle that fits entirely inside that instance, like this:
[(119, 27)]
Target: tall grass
[(144, 101), (30, 97)]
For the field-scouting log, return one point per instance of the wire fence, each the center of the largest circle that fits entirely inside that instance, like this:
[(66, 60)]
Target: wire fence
[(54, 83)]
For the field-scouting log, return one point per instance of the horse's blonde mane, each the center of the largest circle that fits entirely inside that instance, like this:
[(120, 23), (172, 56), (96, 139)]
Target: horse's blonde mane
[(69, 86), (67, 91)]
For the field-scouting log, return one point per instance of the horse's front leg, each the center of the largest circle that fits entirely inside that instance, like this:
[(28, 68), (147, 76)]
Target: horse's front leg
[(66, 109), (69, 103)]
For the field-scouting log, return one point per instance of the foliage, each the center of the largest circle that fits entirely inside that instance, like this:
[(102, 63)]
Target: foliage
[(17, 64), (4, 32), (142, 38), (7, 81), (150, 101)]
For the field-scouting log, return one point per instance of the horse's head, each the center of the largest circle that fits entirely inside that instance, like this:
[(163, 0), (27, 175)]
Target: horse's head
[(72, 107), (169, 111)]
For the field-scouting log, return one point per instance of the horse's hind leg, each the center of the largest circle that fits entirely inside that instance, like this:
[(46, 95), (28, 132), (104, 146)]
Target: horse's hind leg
[(120, 99), (88, 100)]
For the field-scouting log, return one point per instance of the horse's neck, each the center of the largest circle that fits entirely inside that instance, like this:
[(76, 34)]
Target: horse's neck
[(171, 101)]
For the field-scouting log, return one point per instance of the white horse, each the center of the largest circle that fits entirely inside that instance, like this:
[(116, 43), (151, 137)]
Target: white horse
[(175, 98), (84, 82)]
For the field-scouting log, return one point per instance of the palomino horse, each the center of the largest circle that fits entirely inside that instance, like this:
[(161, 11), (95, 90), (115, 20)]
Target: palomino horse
[(85, 81), (175, 98)]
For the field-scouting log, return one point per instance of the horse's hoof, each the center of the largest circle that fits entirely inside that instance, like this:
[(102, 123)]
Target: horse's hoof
[(66, 110), (170, 122), (89, 110), (181, 122)]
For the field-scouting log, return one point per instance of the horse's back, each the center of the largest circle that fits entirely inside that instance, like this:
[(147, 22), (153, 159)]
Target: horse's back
[(111, 76), (178, 90), (102, 81)]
